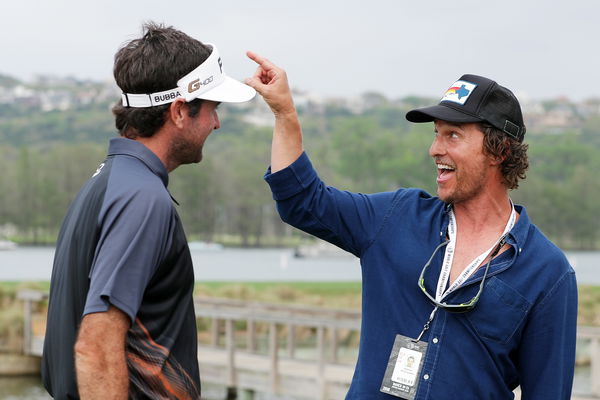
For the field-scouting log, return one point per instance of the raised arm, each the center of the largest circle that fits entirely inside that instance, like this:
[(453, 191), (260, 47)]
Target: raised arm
[(271, 83)]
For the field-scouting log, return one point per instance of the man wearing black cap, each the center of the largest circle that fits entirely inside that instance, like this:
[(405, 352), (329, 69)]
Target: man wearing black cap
[(121, 321), (462, 284)]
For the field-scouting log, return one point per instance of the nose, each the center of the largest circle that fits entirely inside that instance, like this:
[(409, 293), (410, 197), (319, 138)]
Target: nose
[(436, 148)]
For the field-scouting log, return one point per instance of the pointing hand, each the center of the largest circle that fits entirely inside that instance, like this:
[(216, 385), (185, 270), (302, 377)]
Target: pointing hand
[(271, 83)]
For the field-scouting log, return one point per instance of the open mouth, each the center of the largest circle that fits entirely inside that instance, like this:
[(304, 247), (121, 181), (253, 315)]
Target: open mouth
[(445, 171)]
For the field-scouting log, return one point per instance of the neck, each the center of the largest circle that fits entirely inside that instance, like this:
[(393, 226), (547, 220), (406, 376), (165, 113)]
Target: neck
[(158, 145), (484, 212)]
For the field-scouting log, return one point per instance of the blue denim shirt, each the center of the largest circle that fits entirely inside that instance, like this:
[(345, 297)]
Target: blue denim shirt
[(522, 331)]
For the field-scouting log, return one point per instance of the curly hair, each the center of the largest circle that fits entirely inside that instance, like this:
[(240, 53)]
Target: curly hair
[(513, 154), (154, 63)]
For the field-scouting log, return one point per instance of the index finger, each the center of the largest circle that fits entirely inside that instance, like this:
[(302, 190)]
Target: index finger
[(260, 60)]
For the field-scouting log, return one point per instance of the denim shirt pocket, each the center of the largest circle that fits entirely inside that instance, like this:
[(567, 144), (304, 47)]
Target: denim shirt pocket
[(499, 312)]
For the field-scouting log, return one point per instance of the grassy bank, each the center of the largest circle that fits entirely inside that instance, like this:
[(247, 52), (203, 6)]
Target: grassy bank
[(320, 294)]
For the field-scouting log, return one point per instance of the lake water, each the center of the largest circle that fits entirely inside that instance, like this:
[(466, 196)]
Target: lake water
[(229, 264), (246, 265)]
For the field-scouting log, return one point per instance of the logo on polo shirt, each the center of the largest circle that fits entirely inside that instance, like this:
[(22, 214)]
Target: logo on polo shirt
[(98, 170), (459, 92)]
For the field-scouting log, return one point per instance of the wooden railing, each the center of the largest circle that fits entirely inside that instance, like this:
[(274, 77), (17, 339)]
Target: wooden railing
[(246, 368), (319, 378), (241, 366)]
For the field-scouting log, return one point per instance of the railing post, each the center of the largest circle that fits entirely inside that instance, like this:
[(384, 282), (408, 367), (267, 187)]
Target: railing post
[(230, 346), (291, 342), (595, 364), (321, 362), (214, 332), (250, 336), (27, 334), (334, 344), (273, 349)]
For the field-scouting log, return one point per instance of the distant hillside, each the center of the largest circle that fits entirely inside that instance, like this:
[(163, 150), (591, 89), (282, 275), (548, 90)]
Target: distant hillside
[(62, 109), (53, 134), (8, 81)]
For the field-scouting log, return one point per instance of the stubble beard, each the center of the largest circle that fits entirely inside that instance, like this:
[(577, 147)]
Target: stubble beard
[(184, 152), (466, 187)]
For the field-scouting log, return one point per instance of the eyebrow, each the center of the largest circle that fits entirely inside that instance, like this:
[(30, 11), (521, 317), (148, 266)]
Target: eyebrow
[(453, 124)]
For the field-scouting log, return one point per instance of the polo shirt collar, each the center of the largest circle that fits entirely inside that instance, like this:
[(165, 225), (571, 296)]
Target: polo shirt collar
[(133, 148)]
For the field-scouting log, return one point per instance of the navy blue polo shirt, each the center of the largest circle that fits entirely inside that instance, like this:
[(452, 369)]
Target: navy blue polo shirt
[(122, 244), (521, 332)]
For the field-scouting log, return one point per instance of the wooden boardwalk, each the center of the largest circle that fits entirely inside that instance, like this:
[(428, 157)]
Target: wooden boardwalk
[(231, 356), (247, 367), (253, 373), (275, 370)]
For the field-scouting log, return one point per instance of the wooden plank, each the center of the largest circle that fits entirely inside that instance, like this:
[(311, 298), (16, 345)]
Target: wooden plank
[(595, 366), (291, 340), (27, 326), (214, 332), (275, 313), (273, 358), (250, 335), (334, 344), (321, 362), (230, 347)]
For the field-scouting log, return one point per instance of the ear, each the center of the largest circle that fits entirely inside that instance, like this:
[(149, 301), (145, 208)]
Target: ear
[(177, 112), (497, 160)]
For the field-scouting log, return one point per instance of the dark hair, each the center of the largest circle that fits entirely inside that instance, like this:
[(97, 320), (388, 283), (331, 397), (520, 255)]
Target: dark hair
[(514, 154), (154, 63)]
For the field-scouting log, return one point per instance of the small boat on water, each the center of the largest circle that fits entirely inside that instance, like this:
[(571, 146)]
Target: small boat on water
[(319, 249), (7, 245), (205, 246)]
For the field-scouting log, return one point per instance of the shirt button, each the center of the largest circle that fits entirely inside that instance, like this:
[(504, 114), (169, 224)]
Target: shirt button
[(426, 376), (435, 340)]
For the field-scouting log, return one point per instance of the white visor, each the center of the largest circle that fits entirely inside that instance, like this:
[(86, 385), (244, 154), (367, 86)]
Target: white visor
[(208, 81)]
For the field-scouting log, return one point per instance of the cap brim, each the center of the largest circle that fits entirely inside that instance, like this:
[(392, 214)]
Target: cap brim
[(229, 91), (430, 114)]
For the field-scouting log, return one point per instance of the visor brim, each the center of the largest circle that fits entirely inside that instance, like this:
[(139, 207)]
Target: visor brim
[(229, 91), (430, 114)]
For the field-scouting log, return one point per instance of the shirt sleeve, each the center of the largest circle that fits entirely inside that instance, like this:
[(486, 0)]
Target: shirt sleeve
[(136, 225), (348, 220), (547, 352)]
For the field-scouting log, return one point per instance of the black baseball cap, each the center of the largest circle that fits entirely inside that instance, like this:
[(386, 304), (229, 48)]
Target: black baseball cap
[(474, 98)]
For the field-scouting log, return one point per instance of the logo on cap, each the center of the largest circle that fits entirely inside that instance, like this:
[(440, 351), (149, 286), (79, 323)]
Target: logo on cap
[(196, 84), (459, 92)]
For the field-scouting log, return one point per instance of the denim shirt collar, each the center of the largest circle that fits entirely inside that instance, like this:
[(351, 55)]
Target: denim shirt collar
[(516, 237), (129, 147)]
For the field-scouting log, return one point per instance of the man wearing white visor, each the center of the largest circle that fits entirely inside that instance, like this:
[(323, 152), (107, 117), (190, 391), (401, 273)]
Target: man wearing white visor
[(121, 321)]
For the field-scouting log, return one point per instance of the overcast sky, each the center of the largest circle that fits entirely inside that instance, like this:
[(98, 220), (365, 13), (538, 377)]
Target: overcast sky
[(538, 48)]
